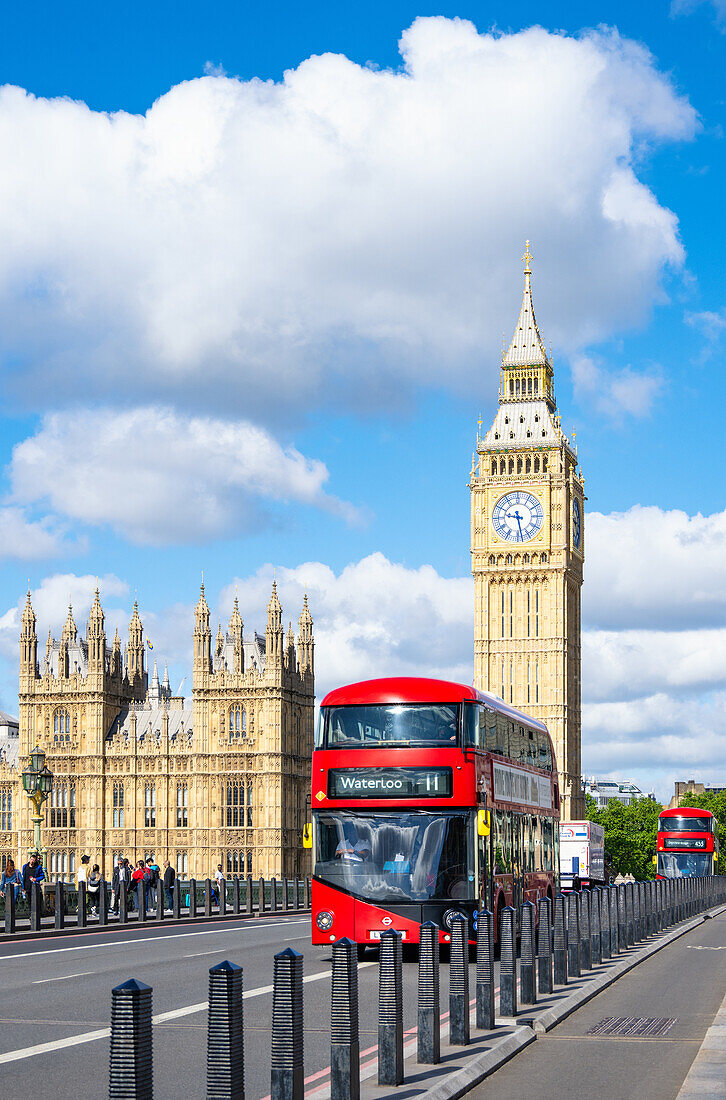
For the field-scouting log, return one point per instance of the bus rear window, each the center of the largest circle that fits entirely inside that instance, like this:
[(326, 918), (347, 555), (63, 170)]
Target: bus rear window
[(395, 724), (685, 824)]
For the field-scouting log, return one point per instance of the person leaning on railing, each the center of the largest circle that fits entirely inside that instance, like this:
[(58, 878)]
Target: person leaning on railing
[(11, 879)]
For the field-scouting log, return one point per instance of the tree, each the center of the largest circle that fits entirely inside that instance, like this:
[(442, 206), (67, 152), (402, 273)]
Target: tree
[(716, 803), (630, 834)]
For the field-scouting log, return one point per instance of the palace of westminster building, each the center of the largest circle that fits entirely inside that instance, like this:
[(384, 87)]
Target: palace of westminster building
[(138, 772), (226, 780)]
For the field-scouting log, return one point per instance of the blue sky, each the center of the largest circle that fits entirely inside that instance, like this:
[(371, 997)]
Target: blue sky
[(255, 267)]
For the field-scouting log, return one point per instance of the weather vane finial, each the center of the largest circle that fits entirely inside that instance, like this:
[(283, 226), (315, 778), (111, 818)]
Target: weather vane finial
[(526, 260)]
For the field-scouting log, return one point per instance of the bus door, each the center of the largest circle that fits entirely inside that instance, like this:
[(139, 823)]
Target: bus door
[(517, 849), (485, 864)]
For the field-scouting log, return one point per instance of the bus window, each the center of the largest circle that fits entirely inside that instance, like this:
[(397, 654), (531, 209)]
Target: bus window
[(517, 748), (542, 754), (500, 734), (502, 845), (530, 738)]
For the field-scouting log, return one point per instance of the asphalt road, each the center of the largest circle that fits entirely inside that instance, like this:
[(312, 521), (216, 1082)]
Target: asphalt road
[(685, 981), (52, 992)]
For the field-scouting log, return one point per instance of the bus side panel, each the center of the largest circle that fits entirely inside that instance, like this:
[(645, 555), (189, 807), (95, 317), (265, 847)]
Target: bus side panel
[(339, 904)]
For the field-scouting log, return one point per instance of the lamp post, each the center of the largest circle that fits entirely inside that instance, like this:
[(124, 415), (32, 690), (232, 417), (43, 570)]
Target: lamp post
[(37, 784)]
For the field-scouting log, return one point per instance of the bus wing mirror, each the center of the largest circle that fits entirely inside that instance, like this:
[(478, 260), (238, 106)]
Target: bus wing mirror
[(655, 861), (307, 836), (484, 822)]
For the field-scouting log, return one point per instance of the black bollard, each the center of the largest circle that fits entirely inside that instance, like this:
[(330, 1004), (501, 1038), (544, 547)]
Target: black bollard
[(629, 915), (344, 1038), (637, 913), (141, 899), (622, 917), (261, 897), (527, 975), (222, 887), (160, 899), (508, 964), (485, 971), (573, 934), (296, 892), (123, 903), (176, 899), (559, 952), (595, 952), (225, 1034), (544, 947), (429, 1008), (286, 1075), (81, 916), (307, 893), (9, 910), (249, 901), (612, 896), (604, 923), (103, 902), (236, 897), (459, 1016), (273, 895), (60, 905), (192, 897), (207, 897), (131, 1067), (390, 1009), (285, 899), (585, 943)]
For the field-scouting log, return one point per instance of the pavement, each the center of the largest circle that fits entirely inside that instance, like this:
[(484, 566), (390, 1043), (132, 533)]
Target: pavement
[(683, 982)]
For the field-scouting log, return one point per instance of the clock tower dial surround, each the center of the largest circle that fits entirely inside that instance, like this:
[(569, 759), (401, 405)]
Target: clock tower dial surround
[(527, 547)]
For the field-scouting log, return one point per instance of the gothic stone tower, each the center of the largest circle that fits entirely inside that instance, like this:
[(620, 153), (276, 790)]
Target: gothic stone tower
[(527, 548)]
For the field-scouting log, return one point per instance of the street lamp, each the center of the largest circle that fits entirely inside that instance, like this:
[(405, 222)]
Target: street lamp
[(37, 784)]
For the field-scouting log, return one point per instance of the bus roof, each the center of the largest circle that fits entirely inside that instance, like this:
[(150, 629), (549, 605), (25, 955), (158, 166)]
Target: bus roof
[(419, 689), (681, 810)]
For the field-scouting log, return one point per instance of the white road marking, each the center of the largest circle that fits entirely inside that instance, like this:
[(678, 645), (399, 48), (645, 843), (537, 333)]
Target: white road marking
[(698, 947), (197, 954), (63, 977), (149, 939), (163, 1017)]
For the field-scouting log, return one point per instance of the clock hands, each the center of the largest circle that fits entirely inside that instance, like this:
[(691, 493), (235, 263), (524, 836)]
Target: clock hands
[(516, 515)]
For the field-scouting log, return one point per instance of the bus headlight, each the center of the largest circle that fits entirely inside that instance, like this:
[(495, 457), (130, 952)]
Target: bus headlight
[(449, 916), (324, 920)]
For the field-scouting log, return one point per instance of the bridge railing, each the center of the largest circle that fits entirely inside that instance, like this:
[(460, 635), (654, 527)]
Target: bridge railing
[(649, 910)]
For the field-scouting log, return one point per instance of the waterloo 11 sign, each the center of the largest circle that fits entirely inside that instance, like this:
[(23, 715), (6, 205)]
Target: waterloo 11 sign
[(390, 783), (513, 785)]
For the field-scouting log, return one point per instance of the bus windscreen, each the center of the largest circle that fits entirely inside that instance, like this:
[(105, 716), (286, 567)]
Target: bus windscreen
[(409, 725)]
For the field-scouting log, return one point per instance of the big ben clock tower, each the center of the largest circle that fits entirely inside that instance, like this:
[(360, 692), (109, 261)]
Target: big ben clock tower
[(527, 549)]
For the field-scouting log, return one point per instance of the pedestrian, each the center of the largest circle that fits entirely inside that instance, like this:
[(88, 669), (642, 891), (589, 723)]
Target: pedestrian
[(32, 872), (154, 876), (93, 888), (219, 883), (82, 875), (116, 883), (11, 880), (169, 877), (140, 878)]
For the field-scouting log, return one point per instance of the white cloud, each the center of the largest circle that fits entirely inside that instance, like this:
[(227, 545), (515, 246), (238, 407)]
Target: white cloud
[(711, 323), (615, 392), (648, 567), (685, 7), (24, 538), (156, 476), (339, 234)]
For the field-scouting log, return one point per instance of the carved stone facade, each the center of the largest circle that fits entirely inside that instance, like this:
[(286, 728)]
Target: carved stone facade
[(527, 546), (137, 772)]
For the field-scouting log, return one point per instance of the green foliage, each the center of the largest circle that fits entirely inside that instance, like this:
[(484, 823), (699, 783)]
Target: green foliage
[(630, 834), (716, 803)]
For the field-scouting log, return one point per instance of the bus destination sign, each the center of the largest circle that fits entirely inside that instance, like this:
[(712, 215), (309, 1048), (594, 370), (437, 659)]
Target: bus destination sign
[(390, 783), (684, 842)]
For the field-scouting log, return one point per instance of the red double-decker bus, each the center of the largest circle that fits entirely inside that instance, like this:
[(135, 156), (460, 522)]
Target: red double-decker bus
[(429, 799), (687, 843)]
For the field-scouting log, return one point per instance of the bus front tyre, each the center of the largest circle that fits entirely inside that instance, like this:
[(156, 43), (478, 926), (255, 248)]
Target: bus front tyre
[(361, 951)]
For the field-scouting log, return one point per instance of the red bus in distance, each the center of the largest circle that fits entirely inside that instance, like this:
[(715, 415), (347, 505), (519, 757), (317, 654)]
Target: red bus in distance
[(687, 843), (429, 799)]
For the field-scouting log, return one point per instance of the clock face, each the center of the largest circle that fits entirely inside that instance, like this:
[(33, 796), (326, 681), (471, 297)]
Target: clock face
[(517, 517), (576, 523)]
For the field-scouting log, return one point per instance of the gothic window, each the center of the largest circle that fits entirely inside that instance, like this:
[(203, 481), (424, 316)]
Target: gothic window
[(544, 464), (6, 809), (511, 614), (517, 388), (494, 466), (235, 863), (182, 806), (519, 465), (511, 387), (502, 467), (529, 602), (536, 386), (492, 559), (149, 806), (511, 681), (233, 794), (528, 464), (249, 805), (237, 722), (249, 863), (536, 613), (528, 699), (118, 805), (525, 559), (502, 601), (536, 681), (529, 386), (63, 806), (536, 465), (509, 559), (511, 465), (502, 693), (182, 863), (543, 558), (61, 726)]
